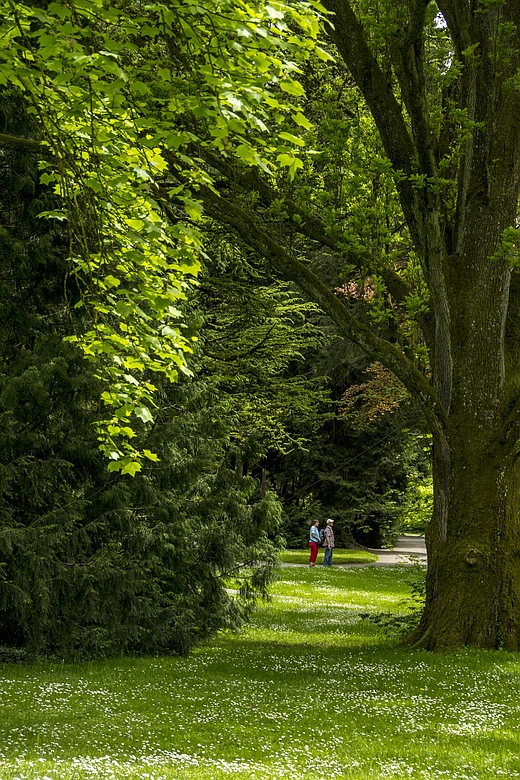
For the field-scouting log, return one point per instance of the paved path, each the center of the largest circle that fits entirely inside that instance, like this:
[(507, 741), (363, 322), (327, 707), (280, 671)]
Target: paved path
[(406, 550)]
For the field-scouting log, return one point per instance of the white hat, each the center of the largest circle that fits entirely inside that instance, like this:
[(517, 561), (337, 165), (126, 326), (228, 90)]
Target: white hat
[(330, 520)]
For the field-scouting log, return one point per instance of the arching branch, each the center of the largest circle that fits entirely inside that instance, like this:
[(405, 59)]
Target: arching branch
[(312, 227), (291, 268), (24, 144)]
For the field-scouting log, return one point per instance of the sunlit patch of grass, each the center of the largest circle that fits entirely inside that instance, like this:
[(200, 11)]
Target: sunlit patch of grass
[(340, 556), (309, 690)]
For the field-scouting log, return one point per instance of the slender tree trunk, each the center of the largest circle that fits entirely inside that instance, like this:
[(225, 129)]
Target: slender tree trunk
[(263, 483)]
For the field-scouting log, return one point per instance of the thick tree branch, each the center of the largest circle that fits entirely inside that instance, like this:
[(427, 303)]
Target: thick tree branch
[(291, 268), (411, 74), (417, 18), (24, 144), (490, 167), (457, 14), (308, 225), (348, 36), (421, 214)]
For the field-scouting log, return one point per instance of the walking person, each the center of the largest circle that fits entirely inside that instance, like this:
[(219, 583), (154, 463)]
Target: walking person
[(328, 542), (314, 542)]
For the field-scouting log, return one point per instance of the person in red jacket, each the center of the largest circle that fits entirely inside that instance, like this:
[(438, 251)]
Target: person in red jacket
[(314, 542)]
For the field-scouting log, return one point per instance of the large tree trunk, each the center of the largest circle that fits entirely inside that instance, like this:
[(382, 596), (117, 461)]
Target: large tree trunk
[(473, 581)]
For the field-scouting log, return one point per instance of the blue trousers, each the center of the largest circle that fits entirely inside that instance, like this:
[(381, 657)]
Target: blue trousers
[(327, 558)]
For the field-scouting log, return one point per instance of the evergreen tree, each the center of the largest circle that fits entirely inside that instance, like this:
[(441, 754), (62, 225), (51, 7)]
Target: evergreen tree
[(93, 562)]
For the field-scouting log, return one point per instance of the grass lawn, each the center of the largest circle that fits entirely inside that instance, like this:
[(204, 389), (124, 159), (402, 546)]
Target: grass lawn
[(307, 691), (338, 556)]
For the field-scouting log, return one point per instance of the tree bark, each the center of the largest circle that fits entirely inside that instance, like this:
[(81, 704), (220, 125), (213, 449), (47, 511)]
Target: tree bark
[(24, 144), (473, 580), (473, 583)]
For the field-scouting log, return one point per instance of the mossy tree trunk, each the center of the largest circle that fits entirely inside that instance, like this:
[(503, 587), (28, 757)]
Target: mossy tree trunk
[(473, 587), (473, 581)]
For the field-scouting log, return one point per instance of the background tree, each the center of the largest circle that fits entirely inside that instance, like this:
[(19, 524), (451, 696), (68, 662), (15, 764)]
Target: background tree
[(439, 82)]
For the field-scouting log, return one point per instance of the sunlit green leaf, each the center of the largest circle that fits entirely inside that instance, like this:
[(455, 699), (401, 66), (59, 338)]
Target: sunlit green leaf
[(131, 468), (144, 414), (292, 88)]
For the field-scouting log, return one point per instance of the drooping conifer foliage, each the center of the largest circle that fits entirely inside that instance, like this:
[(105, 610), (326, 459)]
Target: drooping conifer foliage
[(92, 562)]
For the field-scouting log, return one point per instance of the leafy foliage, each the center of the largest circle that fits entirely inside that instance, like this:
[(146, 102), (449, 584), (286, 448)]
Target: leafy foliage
[(108, 116), (417, 510)]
